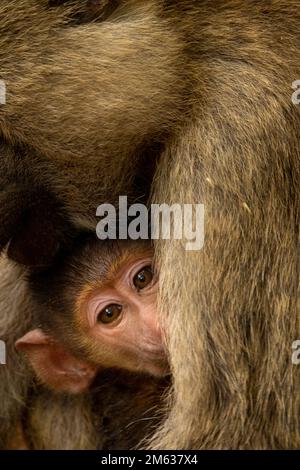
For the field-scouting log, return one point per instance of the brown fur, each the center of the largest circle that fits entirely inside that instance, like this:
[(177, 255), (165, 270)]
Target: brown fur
[(15, 319), (60, 422), (18, 442), (209, 82), (121, 410)]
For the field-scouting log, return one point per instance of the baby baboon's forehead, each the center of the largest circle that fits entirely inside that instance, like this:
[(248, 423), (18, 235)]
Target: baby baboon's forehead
[(101, 260)]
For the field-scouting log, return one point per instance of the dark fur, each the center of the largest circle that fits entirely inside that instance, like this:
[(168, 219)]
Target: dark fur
[(209, 84), (121, 410)]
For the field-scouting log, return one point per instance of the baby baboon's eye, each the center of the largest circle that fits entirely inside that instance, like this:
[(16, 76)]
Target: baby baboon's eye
[(143, 278), (109, 314)]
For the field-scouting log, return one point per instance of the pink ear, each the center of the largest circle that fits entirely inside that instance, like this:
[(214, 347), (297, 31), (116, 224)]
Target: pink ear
[(55, 365)]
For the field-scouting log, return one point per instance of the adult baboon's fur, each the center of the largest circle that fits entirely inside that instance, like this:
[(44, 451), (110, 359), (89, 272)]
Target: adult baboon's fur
[(206, 84)]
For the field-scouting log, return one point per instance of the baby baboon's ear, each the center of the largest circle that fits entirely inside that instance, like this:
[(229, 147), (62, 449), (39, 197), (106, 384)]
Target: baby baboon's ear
[(33, 225), (54, 365)]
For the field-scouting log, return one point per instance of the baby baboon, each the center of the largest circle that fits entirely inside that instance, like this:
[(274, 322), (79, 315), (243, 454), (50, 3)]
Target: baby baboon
[(67, 299), (95, 309)]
